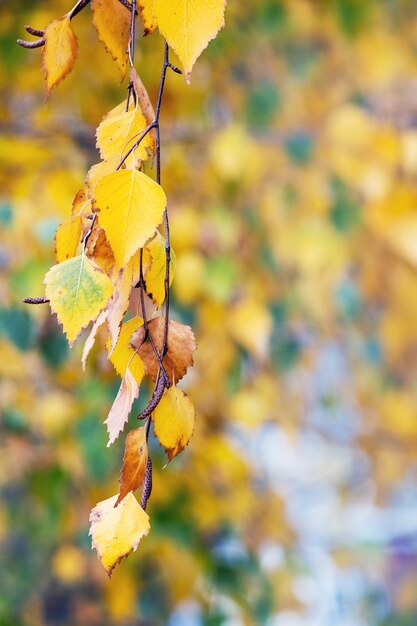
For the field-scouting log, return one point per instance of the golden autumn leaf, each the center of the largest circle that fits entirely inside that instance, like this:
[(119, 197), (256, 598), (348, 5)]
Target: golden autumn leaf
[(123, 355), (131, 206), (146, 9), (119, 412), (181, 344), (60, 51), (78, 290), (155, 274), (134, 462), (112, 22), (99, 171), (67, 238), (82, 207), (188, 26), (120, 129), (116, 530), (173, 421)]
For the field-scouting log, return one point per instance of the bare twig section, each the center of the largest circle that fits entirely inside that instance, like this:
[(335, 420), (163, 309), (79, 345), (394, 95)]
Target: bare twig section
[(40, 300)]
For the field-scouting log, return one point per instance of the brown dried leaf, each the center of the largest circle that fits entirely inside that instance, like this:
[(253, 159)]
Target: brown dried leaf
[(181, 345), (134, 462)]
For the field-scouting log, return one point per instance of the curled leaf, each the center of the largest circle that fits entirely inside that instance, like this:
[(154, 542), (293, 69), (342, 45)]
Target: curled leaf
[(119, 412), (134, 462)]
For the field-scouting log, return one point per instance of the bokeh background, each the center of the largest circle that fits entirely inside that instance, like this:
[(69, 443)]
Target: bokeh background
[(290, 165)]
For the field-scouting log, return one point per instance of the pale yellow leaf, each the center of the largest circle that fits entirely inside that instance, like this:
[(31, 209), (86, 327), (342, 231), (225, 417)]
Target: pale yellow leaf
[(67, 238), (78, 290), (119, 412), (116, 531), (112, 22), (60, 51), (134, 462), (188, 26), (131, 206), (124, 355), (92, 336), (174, 421), (118, 132)]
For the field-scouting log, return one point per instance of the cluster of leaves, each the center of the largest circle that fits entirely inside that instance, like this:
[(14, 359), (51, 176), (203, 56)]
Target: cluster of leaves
[(295, 264), (114, 220)]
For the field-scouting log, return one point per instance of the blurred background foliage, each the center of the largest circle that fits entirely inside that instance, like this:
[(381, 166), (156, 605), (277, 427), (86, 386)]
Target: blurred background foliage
[(290, 165)]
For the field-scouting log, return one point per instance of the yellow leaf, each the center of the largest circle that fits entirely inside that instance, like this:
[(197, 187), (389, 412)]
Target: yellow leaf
[(99, 171), (131, 206), (155, 275), (116, 531), (124, 355), (78, 290), (60, 51), (188, 26), (119, 412), (119, 130), (134, 462), (174, 421), (112, 22), (146, 8), (67, 238)]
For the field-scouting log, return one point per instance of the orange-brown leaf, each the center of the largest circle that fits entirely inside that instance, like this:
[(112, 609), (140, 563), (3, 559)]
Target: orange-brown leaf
[(181, 344), (134, 462)]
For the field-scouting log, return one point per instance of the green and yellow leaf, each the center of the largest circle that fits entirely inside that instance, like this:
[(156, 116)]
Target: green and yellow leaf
[(78, 290)]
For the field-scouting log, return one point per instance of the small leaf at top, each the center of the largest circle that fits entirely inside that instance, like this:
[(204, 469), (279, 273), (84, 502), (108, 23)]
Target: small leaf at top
[(116, 531), (78, 290), (173, 421), (60, 51)]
